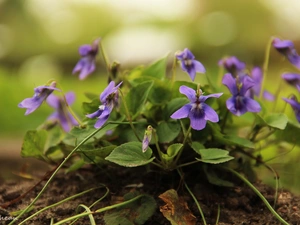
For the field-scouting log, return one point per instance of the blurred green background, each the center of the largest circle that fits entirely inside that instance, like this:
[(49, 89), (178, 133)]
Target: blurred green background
[(39, 40)]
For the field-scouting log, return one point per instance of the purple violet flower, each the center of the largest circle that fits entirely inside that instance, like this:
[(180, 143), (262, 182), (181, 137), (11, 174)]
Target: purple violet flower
[(109, 99), (62, 115), (239, 103), (198, 111), (287, 48), (295, 105), (87, 64), (292, 79), (40, 95), (189, 64), (233, 65)]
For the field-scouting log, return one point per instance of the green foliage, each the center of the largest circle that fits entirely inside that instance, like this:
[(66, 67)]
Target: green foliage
[(130, 155), (34, 144), (214, 155), (276, 120), (135, 213), (137, 96)]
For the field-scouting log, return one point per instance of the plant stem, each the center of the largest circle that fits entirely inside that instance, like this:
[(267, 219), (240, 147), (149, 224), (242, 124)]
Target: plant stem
[(174, 69), (258, 194), (193, 196), (157, 145), (99, 210), (107, 65), (128, 116), (60, 202), (265, 66), (183, 145), (55, 172)]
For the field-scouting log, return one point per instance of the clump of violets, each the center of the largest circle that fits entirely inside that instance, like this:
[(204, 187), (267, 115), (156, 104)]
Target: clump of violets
[(295, 105), (197, 110), (287, 48), (62, 115), (240, 103), (40, 95), (87, 64), (109, 99), (189, 64), (233, 65)]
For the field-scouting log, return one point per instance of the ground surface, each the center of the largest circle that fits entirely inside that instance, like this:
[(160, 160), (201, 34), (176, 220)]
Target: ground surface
[(239, 205)]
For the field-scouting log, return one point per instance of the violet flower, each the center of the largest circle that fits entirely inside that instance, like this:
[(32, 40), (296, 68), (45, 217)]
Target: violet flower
[(40, 95), (292, 79), (197, 110), (287, 48), (62, 115), (233, 65), (109, 99), (239, 103), (189, 64), (295, 105), (87, 64)]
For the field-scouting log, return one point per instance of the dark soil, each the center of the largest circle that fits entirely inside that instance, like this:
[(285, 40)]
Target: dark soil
[(238, 205)]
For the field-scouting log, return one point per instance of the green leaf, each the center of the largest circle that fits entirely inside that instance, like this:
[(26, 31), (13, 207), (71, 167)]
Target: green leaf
[(160, 93), (214, 155), (290, 134), (196, 146), (135, 213), (77, 134), (137, 97), (130, 155), (234, 140), (172, 151), (156, 69), (276, 120), (90, 107), (34, 144), (174, 105), (75, 166), (167, 131), (96, 153), (213, 178)]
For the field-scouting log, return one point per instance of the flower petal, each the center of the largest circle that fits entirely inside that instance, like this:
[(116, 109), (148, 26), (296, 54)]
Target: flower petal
[(197, 120), (204, 97), (70, 97), (209, 113), (247, 83), (183, 112), (107, 91), (84, 50), (251, 105), (230, 83), (199, 67), (53, 101), (190, 93)]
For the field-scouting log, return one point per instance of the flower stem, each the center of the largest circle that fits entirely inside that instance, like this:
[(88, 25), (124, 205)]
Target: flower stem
[(193, 196), (105, 59), (62, 201), (174, 69), (257, 192), (183, 145), (55, 172), (265, 66), (157, 145), (128, 115), (99, 210)]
